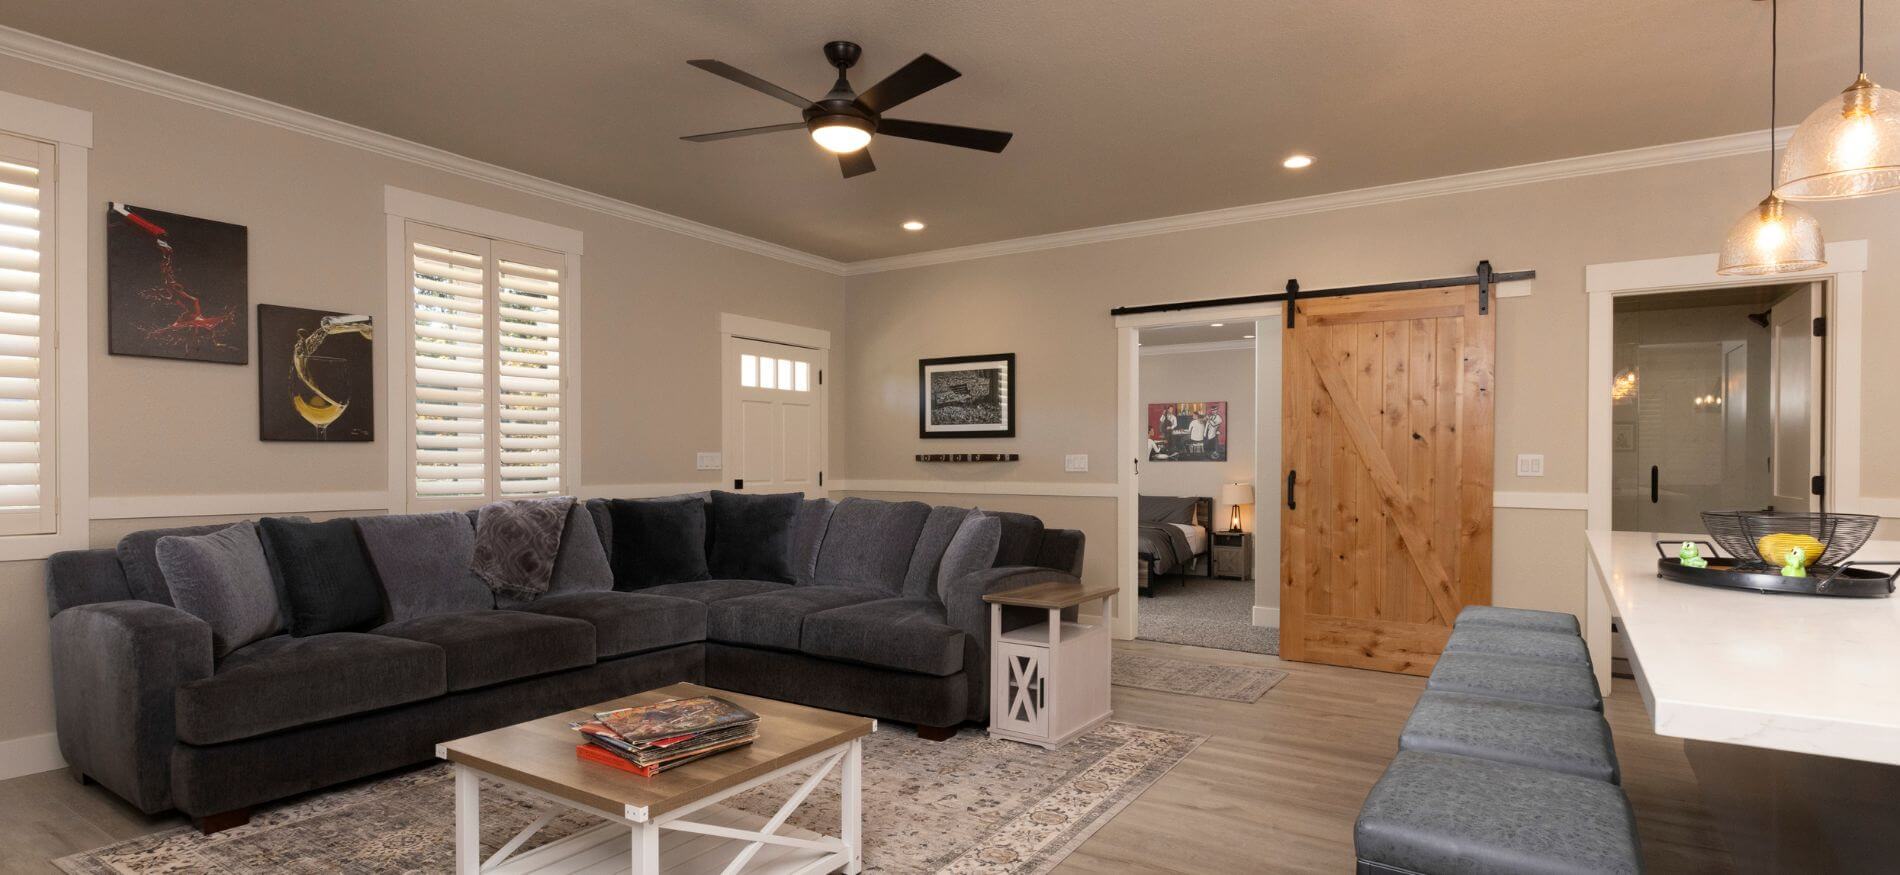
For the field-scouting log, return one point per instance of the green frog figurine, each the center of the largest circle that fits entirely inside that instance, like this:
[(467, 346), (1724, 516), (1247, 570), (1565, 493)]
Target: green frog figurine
[(1797, 563), (1691, 556)]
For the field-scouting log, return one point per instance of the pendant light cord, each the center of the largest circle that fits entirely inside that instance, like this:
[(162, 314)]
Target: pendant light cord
[(1863, 37), (1774, 73)]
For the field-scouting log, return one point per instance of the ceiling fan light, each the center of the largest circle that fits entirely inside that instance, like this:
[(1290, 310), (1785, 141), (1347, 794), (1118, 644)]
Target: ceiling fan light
[(1773, 237), (841, 137), (1849, 147)]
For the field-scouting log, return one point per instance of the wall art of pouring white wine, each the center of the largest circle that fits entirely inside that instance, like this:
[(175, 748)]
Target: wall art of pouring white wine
[(315, 382)]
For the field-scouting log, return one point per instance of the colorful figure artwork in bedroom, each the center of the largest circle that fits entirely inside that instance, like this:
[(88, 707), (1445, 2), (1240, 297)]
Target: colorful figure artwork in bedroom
[(1187, 431), (176, 286)]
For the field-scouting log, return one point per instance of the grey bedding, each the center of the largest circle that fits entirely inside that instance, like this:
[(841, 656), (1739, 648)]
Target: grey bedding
[(1162, 544)]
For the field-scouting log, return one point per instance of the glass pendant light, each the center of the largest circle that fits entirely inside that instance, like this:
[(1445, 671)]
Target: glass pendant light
[(1850, 147), (1775, 236)]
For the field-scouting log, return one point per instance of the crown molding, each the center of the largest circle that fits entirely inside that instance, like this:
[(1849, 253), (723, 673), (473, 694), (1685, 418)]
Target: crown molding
[(1728, 145), (118, 71)]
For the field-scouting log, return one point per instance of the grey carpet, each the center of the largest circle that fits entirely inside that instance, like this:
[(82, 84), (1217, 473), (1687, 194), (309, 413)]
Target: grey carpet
[(1206, 612), (1235, 683), (969, 804)]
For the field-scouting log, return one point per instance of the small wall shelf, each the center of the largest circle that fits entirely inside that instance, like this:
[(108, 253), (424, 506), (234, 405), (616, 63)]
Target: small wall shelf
[(967, 457)]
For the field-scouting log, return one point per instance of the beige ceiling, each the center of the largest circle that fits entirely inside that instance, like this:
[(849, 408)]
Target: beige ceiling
[(1122, 109)]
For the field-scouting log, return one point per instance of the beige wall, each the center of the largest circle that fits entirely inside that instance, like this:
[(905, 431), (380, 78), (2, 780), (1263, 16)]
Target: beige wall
[(1215, 375), (648, 322), (1052, 307)]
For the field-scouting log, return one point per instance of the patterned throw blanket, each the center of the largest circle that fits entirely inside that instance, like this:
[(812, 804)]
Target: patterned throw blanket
[(516, 542)]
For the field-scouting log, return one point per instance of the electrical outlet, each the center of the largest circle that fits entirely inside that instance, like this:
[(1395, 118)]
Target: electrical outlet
[(1530, 465), (1076, 463), (709, 462)]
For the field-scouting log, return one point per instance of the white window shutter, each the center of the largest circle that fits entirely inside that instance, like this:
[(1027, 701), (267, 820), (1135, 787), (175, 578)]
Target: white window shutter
[(26, 402), (487, 379)]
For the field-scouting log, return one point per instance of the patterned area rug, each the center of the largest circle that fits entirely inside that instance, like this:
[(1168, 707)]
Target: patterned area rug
[(1235, 683), (971, 804), (1205, 612)]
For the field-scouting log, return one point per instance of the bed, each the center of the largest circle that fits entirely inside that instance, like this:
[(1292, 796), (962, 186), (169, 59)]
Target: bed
[(1173, 534)]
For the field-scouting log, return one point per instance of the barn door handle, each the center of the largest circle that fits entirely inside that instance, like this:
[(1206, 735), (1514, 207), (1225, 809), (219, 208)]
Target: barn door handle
[(1291, 478), (1655, 483)]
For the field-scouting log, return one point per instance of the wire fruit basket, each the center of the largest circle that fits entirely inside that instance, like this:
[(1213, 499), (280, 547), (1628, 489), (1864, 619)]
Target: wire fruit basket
[(1761, 546)]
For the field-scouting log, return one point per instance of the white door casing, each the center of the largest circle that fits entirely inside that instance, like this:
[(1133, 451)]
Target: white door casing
[(1796, 354)]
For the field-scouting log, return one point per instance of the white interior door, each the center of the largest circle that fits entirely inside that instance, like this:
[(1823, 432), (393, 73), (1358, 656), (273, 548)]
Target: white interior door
[(1795, 402), (774, 434)]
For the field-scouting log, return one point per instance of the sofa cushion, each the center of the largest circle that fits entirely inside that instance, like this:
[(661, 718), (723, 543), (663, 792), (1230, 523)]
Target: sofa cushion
[(868, 543), (323, 576), (776, 619), (808, 534), (1550, 737), (940, 527), (281, 682), (972, 550), (138, 557), (484, 648), (601, 511), (422, 560), (580, 564), (752, 535), (223, 579), (907, 634), (1021, 541), (1522, 643), (629, 622), (658, 541), (706, 591)]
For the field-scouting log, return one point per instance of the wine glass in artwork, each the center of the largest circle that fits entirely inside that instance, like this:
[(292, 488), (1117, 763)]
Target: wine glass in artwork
[(319, 385)]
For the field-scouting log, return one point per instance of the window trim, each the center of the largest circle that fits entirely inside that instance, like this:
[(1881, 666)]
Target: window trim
[(400, 207), (69, 131)]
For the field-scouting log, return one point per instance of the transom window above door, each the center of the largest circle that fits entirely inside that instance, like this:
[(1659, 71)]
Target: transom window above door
[(770, 372)]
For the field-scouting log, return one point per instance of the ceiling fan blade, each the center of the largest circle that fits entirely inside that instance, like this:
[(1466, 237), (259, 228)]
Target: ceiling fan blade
[(910, 80), (949, 135), (745, 132), (727, 71), (856, 163)]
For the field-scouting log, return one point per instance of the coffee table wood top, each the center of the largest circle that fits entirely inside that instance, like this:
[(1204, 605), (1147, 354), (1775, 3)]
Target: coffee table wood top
[(539, 754), (1052, 595)]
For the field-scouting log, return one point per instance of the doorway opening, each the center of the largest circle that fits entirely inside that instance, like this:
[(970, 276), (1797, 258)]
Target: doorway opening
[(1718, 403), (1195, 547)]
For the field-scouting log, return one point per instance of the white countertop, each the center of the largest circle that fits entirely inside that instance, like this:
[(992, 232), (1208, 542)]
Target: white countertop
[(1800, 673)]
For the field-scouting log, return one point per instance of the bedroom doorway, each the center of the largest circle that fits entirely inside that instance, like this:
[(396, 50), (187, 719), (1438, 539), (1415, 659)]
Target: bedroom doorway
[(1201, 411)]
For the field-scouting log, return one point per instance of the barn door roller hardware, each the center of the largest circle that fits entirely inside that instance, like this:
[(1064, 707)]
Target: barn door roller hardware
[(1485, 279)]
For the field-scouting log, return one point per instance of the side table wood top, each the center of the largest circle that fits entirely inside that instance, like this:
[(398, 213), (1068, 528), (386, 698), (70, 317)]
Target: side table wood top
[(1052, 595)]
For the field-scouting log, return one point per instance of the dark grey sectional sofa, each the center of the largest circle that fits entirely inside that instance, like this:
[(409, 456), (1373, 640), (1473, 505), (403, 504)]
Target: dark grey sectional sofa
[(866, 627)]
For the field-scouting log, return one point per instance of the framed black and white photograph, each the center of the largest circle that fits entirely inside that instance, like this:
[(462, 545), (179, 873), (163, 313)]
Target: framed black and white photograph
[(967, 396)]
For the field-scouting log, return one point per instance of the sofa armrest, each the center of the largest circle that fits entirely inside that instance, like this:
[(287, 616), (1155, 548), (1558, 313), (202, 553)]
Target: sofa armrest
[(965, 608), (1062, 550), (116, 667)]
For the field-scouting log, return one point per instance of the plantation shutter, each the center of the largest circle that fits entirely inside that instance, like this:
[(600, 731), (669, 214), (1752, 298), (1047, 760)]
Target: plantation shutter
[(487, 386), (528, 338), (26, 397)]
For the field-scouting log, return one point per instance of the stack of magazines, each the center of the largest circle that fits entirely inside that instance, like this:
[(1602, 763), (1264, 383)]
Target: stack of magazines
[(649, 739)]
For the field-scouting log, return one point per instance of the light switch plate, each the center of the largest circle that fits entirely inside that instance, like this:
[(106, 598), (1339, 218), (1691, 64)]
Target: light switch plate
[(709, 462), (1076, 463), (1530, 465)]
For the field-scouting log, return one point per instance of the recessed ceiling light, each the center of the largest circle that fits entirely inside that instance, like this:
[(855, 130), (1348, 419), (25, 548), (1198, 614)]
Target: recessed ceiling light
[(1246, 337), (1215, 324), (913, 225), (1296, 162)]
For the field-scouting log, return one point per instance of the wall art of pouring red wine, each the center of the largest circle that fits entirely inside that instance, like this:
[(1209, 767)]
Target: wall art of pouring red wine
[(176, 286)]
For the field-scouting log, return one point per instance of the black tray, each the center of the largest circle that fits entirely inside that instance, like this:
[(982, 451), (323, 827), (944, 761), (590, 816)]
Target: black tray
[(1847, 580)]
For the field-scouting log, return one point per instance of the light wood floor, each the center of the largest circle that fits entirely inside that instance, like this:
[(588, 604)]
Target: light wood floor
[(1274, 788)]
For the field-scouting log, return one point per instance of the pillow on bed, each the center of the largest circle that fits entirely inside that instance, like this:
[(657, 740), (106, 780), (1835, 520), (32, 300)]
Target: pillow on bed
[(1167, 509)]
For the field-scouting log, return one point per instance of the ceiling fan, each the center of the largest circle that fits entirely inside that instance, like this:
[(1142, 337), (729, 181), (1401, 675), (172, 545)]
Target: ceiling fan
[(844, 120)]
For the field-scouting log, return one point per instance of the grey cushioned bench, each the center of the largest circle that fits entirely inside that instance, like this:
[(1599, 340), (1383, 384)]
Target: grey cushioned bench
[(1514, 677), (1526, 643), (1436, 814), (1519, 618), (1569, 740)]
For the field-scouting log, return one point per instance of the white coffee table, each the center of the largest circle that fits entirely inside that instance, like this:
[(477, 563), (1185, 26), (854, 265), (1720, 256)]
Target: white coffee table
[(672, 822)]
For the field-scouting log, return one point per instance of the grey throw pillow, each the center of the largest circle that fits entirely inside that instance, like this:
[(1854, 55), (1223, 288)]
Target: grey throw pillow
[(223, 579), (422, 560), (972, 548)]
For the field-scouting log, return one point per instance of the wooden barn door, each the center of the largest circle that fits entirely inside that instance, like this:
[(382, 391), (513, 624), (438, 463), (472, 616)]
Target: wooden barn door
[(1387, 448)]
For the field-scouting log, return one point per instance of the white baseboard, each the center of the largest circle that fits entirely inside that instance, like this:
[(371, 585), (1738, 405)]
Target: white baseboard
[(30, 755), (1264, 616)]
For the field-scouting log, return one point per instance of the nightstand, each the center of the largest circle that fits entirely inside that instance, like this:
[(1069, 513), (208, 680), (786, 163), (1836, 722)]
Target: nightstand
[(1233, 555)]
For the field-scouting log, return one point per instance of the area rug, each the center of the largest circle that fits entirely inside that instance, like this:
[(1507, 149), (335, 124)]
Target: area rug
[(971, 804), (1205, 612), (1235, 683)]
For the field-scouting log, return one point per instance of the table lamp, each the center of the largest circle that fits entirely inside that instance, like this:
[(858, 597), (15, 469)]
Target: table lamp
[(1235, 495)]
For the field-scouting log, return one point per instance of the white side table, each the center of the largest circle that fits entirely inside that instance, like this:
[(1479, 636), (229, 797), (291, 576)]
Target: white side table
[(1049, 676)]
